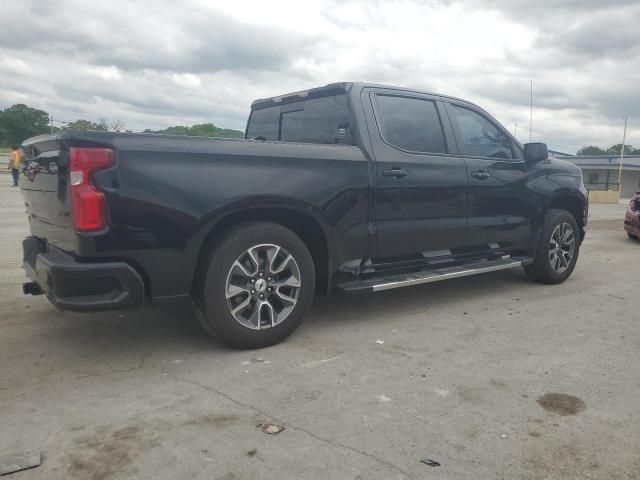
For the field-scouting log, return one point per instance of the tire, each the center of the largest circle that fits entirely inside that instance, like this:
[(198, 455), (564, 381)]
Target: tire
[(552, 265), (632, 236), (250, 317)]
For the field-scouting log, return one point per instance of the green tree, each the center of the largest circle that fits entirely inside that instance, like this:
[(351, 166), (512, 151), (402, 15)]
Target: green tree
[(591, 150), (19, 122), (202, 130), (82, 124), (612, 150), (615, 149), (102, 125)]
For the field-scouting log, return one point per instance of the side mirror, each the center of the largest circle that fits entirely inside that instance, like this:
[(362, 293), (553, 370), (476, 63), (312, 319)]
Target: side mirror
[(535, 152)]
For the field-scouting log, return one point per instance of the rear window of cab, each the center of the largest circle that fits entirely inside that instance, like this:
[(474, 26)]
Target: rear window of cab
[(324, 120)]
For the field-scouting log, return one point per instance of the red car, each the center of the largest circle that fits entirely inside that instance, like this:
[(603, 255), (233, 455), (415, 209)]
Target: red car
[(632, 218)]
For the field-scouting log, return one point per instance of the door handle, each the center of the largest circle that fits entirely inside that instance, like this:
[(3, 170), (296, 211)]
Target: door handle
[(480, 174), (395, 173)]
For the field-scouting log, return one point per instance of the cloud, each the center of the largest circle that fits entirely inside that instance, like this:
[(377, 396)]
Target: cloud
[(161, 36), (161, 63)]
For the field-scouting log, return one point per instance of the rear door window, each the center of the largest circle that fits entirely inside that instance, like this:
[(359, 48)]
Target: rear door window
[(477, 136), (411, 124), (325, 120)]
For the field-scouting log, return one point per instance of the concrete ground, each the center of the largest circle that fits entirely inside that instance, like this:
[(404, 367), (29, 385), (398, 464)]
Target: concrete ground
[(459, 379)]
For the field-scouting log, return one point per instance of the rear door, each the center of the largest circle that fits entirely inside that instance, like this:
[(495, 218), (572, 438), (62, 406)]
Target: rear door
[(500, 207), (420, 183)]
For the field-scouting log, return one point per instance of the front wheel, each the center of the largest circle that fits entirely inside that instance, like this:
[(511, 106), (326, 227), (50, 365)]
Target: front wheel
[(557, 249), (259, 283)]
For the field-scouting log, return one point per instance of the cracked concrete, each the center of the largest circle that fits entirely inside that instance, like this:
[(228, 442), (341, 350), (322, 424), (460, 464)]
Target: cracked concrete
[(149, 395), (289, 425)]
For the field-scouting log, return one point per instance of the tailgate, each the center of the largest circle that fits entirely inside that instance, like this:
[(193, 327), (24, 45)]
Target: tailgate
[(44, 185)]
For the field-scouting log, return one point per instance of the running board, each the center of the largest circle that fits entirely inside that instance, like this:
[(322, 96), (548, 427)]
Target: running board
[(377, 284)]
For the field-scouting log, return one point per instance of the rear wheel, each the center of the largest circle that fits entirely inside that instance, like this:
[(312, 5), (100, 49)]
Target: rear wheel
[(557, 249), (632, 236), (259, 283)]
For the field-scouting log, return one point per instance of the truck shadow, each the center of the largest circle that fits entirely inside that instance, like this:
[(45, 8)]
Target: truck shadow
[(418, 298), (175, 327)]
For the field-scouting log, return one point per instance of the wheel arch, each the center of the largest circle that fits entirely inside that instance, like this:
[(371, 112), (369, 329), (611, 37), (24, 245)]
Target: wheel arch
[(300, 219), (575, 205)]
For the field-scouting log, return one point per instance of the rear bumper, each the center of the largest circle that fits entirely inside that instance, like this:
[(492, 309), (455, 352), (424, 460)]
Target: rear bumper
[(78, 286)]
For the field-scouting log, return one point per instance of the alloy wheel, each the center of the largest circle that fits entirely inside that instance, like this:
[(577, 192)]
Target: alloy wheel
[(562, 246), (263, 286)]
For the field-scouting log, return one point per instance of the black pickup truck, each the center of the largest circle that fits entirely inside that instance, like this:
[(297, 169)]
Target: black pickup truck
[(349, 187)]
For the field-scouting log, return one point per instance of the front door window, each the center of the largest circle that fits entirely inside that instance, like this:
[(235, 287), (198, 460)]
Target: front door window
[(478, 137)]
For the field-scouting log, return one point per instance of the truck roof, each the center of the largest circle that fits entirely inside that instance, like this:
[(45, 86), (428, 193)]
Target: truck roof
[(335, 89)]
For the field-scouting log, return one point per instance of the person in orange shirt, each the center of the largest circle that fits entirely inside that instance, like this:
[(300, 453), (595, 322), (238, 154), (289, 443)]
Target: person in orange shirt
[(14, 164)]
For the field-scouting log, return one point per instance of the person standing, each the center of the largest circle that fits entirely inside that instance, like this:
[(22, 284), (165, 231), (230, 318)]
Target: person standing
[(14, 164)]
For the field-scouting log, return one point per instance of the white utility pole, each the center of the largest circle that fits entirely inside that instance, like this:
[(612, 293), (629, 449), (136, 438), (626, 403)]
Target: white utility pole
[(515, 131), (531, 113), (624, 139)]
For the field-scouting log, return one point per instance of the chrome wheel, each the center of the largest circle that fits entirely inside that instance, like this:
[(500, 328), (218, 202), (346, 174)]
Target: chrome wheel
[(562, 247), (263, 286)]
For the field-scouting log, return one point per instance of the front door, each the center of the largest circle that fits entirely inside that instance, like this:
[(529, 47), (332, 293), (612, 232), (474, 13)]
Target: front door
[(500, 207), (420, 184)]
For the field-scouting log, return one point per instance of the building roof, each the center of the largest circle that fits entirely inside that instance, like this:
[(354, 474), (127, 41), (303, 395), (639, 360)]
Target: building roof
[(604, 162), (555, 153)]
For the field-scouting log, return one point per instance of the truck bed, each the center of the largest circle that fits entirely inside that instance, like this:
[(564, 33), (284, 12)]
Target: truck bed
[(165, 193)]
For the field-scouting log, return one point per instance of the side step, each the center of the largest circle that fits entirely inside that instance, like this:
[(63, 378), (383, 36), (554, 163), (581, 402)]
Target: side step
[(377, 284)]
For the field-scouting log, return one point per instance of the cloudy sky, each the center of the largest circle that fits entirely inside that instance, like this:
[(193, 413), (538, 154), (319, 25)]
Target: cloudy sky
[(159, 63)]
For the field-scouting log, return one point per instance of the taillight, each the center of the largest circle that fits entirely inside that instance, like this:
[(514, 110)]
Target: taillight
[(88, 205)]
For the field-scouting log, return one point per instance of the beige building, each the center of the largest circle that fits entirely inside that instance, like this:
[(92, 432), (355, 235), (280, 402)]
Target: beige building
[(601, 172)]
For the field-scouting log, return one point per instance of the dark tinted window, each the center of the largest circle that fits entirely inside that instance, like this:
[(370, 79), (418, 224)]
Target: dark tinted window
[(323, 120), (293, 128), (264, 124), (478, 136), (411, 124)]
